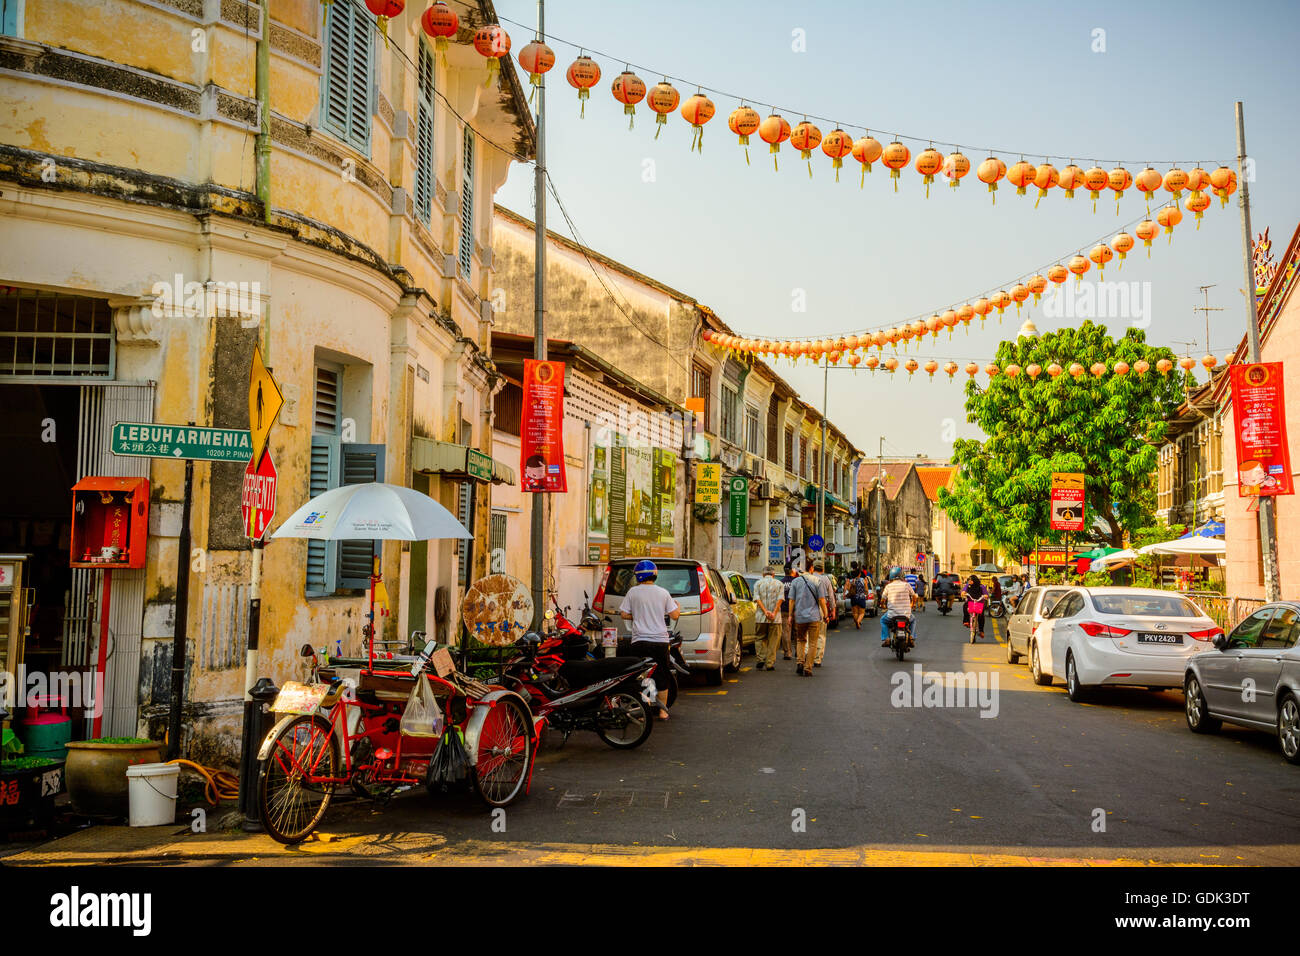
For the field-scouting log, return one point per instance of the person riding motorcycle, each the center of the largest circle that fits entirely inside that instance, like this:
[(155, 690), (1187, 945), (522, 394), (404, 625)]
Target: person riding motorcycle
[(649, 607), (896, 600)]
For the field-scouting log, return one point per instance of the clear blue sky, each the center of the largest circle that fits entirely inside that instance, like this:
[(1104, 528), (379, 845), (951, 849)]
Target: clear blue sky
[(1015, 76)]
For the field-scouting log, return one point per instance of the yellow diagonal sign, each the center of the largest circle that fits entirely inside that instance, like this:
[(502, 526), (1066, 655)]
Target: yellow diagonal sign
[(264, 401)]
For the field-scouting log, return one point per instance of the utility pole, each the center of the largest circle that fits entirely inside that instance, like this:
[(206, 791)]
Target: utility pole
[(537, 528), (1267, 512), (880, 503), (821, 471)]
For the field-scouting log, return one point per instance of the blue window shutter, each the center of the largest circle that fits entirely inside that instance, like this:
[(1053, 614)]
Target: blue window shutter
[(347, 80), (358, 464), (322, 556)]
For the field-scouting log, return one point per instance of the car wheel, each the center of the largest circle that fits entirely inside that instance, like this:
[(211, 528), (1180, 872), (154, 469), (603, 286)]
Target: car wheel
[(734, 664), (713, 678), (1077, 692), (1288, 728), (1199, 720), (1036, 667), (1012, 656)]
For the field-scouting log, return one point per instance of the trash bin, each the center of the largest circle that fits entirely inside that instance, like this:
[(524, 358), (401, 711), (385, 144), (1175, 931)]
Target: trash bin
[(152, 789)]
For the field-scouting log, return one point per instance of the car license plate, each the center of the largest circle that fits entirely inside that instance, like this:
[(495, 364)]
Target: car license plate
[(1160, 638)]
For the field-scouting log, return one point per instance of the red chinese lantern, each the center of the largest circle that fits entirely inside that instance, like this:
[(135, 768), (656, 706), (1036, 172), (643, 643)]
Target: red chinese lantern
[(629, 90), (1170, 216), (1095, 180), (982, 308), (854, 359), (1148, 181), (1121, 369), (1146, 231), (1209, 361), (537, 58), (990, 171), (1058, 273), (774, 131), (1098, 370), (837, 145), (1122, 243), (949, 319), (972, 369), (583, 74), (1197, 202), (1119, 179), (955, 166), (1045, 177), (1011, 371), (964, 315), (1187, 363), (1019, 293), (1000, 300), (1101, 254), (1224, 182), (697, 110), (1175, 182), (895, 156), (1076, 370), (492, 41), (385, 10), (1021, 175), (928, 162), (911, 366), (991, 370), (934, 324), (852, 342), (707, 335), (866, 151), (1054, 370), (804, 137), (951, 368), (1079, 265), (890, 363), (918, 330), (1141, 366), (1037, 284), (873, 362), (1071, 179), (834, 358), (440, 22), (744, 121), (662, 99), (931, 367), (1198, 180), (1164, 366), (1033, 371)]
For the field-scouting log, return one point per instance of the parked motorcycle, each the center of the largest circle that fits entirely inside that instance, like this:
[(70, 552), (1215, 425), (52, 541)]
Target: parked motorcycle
[(900, 635), (611, 696)]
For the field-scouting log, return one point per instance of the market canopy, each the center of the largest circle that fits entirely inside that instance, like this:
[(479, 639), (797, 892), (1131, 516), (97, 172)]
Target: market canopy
[(1114, 559), (1098, 552), (1195, 544), (1211, 529)]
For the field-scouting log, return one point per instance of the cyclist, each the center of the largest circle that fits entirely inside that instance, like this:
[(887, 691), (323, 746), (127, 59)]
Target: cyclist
[(648, 606), (896, 600), (974, 590)]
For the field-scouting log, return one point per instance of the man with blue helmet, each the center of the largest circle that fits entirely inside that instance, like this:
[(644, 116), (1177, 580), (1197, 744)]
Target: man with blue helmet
[(646, 606), (896, 599)]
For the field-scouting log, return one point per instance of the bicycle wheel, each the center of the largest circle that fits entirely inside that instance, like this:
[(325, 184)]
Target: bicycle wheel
[(504, 753), (292, 795)]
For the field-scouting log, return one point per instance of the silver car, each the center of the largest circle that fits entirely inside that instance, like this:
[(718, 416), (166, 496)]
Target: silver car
[(1028, 615), (1252, 679)]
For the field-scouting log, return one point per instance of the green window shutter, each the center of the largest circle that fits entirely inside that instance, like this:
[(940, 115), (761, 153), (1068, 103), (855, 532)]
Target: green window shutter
[(358, 465), (467, 207), (347, 80), (9, 17), (322, 556), (424, 137)]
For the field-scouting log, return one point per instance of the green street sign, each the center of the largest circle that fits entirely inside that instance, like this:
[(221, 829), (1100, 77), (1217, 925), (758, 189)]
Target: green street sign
[(738, 506), (478, 465), (146, 440)]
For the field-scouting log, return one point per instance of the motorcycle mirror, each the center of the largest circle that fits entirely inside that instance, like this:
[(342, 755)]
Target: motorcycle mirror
[(549, 613)]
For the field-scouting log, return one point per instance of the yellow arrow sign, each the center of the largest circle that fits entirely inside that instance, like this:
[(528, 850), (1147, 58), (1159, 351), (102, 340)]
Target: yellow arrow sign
[(264, 402)]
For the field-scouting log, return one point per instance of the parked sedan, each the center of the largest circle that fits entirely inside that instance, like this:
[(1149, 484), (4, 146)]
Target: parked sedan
[(1024, 622), (1252, 679), (1116, 636)]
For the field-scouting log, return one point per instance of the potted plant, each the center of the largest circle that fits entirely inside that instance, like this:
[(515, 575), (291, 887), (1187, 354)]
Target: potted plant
[(97, 773)]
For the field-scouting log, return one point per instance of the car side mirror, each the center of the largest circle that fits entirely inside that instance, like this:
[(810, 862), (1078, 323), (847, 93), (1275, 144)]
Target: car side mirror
[(1221, 641)]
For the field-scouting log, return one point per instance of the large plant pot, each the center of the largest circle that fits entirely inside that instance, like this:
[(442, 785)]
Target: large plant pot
[(96, 773)]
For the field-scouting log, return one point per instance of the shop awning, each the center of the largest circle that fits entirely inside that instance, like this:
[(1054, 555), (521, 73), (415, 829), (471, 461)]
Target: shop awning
[(812, 493), (458, 461)]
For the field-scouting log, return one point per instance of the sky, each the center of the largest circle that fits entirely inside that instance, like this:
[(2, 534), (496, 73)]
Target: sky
[(780, 253)]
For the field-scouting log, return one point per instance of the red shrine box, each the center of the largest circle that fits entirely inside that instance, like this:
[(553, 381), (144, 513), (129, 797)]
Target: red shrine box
[(110, 522)]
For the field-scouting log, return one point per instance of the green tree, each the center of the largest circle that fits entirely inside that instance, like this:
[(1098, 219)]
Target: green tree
[(1108, 427)]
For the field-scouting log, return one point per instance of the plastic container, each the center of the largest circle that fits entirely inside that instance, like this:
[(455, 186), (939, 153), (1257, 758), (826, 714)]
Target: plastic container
[(152, 788), (45, 729)]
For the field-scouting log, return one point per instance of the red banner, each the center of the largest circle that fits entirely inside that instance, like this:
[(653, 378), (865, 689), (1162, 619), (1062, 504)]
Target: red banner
[(541, 428), (1259, 411)]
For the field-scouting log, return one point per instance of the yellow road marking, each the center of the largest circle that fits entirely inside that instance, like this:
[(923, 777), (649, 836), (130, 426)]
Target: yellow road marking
[(703, 693)]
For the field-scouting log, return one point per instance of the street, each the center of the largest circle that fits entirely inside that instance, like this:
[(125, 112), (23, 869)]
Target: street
[(726, 778)]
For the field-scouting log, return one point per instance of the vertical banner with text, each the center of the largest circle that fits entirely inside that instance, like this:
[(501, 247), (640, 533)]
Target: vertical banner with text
[(1067, 501), (541, 429), (1259, 412)]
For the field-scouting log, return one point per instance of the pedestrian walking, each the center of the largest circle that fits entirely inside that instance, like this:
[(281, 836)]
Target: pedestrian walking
[(857, 590), (787, 611), (809, 599), (769, 593), (828, 590)]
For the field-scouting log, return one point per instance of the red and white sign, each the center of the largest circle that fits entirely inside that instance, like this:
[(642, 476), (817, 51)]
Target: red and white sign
[(259, 496), (1259, 410), (1068, 507), (541, 430)]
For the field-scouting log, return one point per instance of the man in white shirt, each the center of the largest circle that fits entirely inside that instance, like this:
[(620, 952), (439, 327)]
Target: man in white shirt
[(646, 605), (896, 598)]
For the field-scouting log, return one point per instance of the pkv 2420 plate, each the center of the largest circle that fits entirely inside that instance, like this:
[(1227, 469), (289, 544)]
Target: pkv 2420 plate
[(1147, 638)]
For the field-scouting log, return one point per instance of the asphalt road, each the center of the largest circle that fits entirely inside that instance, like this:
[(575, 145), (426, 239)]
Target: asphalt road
[(742, 766)]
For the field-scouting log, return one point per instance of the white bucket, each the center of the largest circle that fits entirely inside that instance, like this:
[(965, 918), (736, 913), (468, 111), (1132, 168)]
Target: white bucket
[(152, 788)]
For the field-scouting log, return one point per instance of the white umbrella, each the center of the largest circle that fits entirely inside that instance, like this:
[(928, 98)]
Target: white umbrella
[(1196, 544), (1114, 559), (372, 510)]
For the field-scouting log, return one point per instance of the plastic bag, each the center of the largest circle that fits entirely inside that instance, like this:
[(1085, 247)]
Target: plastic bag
[(422, 716)]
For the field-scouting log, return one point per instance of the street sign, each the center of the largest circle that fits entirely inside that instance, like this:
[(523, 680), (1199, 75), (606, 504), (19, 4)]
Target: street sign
[(708, 483), (1067, 501), (152, 440), (830, 547), (738, 506), (264, 401), (258, 505), (920, 557), (478, 465), (816, 542)]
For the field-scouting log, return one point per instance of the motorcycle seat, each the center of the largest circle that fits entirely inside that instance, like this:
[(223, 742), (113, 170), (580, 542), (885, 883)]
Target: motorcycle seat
[(583, 673)]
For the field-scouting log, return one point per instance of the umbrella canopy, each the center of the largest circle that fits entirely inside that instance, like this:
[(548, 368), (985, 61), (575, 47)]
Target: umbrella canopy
[(1098, 552), (372, 510), (1114, 559), (1211, 529), (988, 569), (1196, 544)]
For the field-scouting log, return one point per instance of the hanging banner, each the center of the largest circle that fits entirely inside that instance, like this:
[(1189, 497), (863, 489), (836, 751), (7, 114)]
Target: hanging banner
[(737, 506), (708, 483), (631, 497), (776, 540), (1067, 501), (541, 428), (1259, 412)]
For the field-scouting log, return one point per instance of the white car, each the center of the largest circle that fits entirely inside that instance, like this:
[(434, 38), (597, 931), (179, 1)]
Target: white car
[(1116, 636), (1028, 616)]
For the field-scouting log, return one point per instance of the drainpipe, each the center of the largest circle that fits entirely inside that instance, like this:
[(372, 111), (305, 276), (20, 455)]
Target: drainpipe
[(262, 145)]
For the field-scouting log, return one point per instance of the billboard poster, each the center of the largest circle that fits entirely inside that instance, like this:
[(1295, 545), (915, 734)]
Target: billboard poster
[(1067, 501), (708, 483), (541, 429), (631, 496), (1259, 412)]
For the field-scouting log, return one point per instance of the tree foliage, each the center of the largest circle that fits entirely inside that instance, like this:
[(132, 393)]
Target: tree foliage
[(1109, 428)]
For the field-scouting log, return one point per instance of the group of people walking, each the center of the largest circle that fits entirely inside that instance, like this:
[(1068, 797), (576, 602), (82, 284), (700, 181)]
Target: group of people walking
[(793, 612)]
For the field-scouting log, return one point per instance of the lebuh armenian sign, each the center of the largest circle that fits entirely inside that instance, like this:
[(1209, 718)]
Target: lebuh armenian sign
[(143, 440)]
